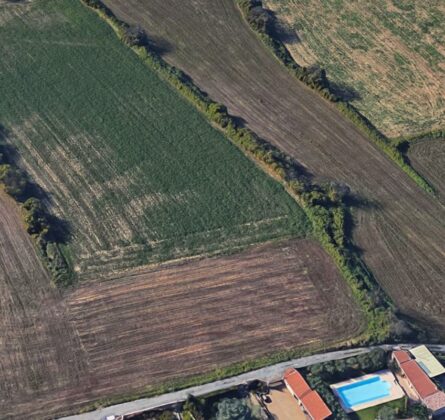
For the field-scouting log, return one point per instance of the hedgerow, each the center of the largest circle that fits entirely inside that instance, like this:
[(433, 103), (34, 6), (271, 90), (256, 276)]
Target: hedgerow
[(325, 205), (39, 223), (255, 15)]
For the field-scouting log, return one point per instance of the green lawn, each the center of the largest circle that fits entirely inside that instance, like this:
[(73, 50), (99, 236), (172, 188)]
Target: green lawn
[(371, 413), (137, 172)]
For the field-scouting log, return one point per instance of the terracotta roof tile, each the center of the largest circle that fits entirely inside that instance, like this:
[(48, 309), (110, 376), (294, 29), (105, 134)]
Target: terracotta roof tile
[(296, 383), (419, 379), (402, 356), (315, 406), (436, 401)]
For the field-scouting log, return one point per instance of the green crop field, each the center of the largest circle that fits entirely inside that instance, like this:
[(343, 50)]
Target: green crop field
[(136, 171), (388, 56)]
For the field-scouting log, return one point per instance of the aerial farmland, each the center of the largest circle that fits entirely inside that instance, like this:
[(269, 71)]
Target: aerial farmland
[(123, 159), (386, 56), (177, 207), (139, 177), (402, 246)]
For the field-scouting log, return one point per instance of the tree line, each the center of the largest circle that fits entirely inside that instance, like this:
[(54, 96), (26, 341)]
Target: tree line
[(47, 230)]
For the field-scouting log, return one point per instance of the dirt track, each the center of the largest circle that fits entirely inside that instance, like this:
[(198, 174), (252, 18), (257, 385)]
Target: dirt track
[(124, 334), (402, 236)]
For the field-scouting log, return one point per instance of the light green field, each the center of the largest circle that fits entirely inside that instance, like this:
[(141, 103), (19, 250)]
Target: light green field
[(387, 55), (137, 172)]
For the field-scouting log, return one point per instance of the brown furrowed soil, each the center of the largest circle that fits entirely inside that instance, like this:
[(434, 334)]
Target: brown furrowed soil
[(428, 158), (183, 319), (401, 231), (159, 324), (40, 353)]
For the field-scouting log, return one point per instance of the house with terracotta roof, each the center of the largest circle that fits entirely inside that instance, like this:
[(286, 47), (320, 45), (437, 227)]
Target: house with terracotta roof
[(419, 382), (311, 402)]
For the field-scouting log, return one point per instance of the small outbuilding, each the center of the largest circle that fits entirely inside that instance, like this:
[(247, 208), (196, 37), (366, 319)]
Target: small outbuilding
[(310, 400), (427, 361)]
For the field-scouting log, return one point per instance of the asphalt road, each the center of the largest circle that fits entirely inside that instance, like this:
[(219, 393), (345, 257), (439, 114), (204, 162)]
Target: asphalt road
[(267, 374)]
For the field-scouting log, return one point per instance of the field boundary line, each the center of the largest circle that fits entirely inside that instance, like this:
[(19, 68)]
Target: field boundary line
[(327, 206), (321, 86)]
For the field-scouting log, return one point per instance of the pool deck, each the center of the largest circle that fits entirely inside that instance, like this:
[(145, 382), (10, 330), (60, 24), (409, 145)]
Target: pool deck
[(396, 391)]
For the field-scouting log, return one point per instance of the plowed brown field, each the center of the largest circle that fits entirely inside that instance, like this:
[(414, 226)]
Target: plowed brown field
[(403, 236), (180, 320), (40, 353), (122, 335)]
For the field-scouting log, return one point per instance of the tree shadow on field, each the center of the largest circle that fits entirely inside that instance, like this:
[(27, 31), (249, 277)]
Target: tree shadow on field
[(355, 201), (283, 30), (159, 46), (344, 92), (61, 230), (294, 169)]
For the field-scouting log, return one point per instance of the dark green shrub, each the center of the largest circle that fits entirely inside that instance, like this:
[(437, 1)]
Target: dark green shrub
[(134, 36), (35, 217), (14, 181)]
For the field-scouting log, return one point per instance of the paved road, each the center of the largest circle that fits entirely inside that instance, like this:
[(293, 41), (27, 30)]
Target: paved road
[(267, 374)]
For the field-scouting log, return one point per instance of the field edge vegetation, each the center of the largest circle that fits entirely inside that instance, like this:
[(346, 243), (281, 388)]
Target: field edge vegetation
[(262, 22), (75, 150), (327, 206), (48, 232)]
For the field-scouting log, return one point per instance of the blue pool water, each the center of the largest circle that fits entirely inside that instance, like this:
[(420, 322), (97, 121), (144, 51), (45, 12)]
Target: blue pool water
[(364, 391)]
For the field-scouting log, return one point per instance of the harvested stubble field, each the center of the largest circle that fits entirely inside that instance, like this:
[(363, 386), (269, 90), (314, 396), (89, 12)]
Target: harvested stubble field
[(132, 333), (428, 158), (135, 170), (183, 319), (40, 352), (401, 229), (388, 56)]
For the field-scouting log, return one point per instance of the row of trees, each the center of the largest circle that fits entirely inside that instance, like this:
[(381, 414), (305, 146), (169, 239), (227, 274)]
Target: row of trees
[(327, 206), (264, 23), (46, 229)]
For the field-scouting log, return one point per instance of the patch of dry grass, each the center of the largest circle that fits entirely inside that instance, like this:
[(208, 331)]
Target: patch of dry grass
[(388, 56)]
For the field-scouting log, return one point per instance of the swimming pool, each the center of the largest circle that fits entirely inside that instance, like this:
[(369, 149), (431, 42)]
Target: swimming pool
[(364, 391)]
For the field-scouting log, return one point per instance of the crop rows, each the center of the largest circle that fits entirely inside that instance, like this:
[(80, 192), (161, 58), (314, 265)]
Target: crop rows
[(428, 157), (135, 170), (402, 246)]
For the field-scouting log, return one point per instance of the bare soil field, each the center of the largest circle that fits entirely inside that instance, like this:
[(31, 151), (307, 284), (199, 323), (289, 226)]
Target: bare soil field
[(183, 319), (401, 232), (40, 352), (428, 158), (134, 332), (388, 56)]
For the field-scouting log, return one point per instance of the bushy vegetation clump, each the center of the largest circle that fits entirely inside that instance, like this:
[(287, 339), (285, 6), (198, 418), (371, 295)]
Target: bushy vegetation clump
[(39, 223)]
